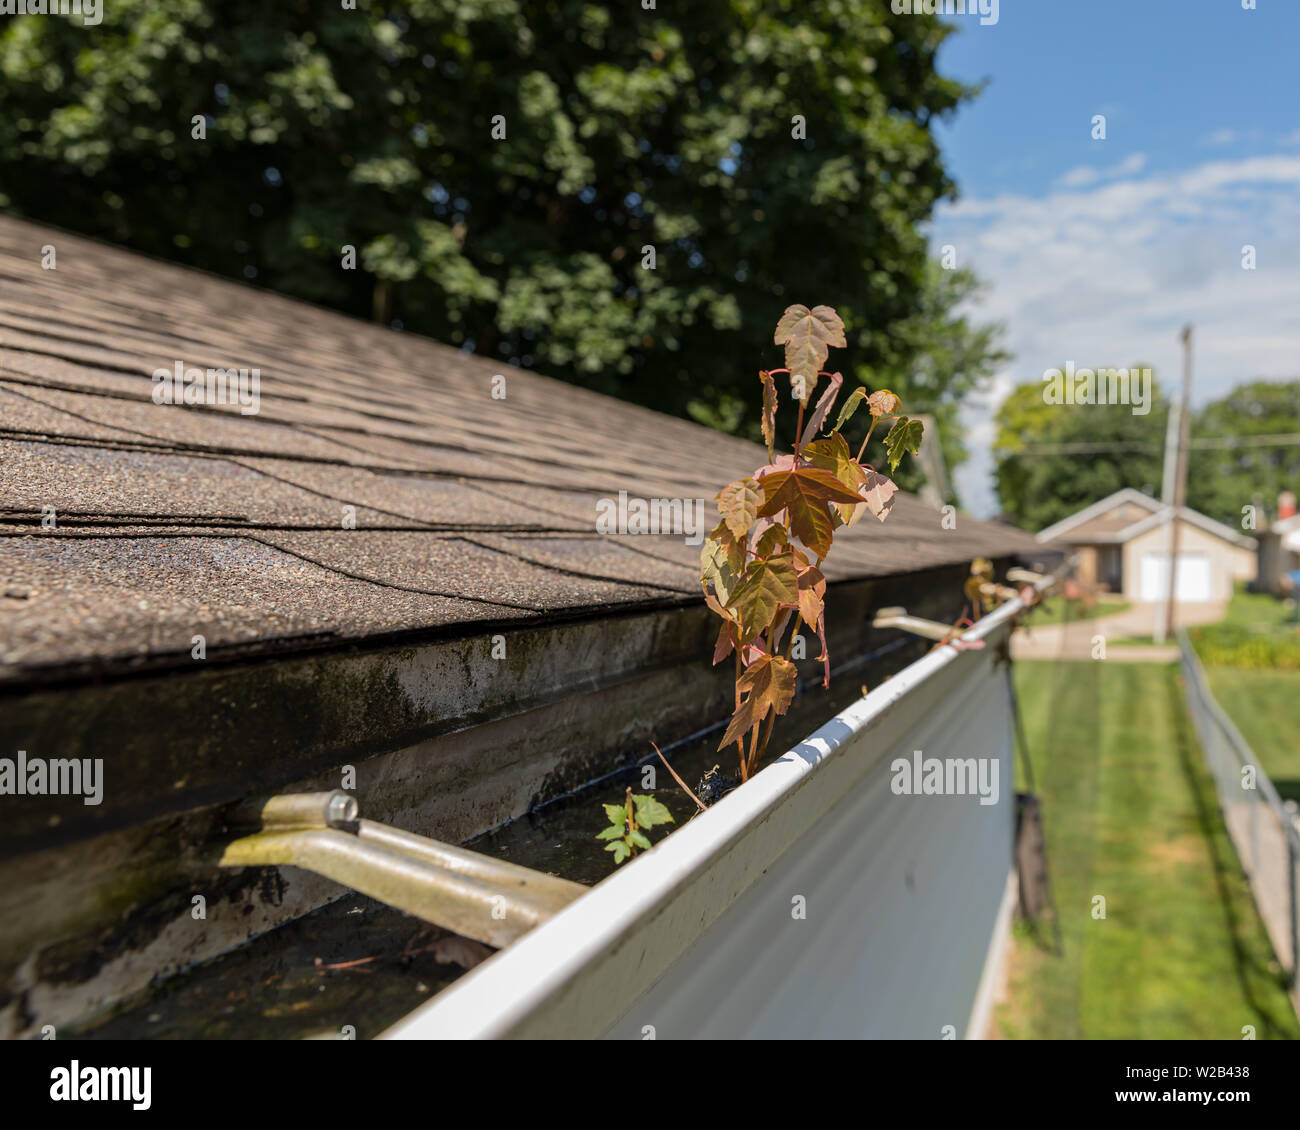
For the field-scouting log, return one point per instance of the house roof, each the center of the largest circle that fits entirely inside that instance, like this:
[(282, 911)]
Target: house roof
[(172, 521), (1096, 524)]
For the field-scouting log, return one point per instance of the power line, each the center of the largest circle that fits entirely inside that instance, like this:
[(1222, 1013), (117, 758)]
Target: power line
[(1280, 440)]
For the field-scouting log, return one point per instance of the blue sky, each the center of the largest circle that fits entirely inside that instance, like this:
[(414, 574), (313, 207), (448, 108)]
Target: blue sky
[(1097, 251)]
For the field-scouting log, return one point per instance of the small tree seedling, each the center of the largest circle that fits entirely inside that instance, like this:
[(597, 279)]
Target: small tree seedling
[(761, 566), (629, 822)]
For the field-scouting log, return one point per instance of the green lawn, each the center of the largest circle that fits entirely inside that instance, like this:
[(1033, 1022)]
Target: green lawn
[(1131, 815), (1256, 633), (1053, 610), (1265, 705), (1256, 611)]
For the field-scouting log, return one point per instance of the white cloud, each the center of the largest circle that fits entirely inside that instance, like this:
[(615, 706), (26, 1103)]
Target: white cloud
[(1110, 274), (1085, 175)]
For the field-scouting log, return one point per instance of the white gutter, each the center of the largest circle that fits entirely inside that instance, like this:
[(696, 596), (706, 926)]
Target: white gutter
[(614, 955)]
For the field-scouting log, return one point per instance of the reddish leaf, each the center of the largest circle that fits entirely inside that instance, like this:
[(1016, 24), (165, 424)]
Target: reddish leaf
[(712, 602), (769, 410), (832, 454), (772, 538), (882, 402), (807, 336), (726, 642), (822, 409), (738, 504), (770, 683), (879, 494), (812, 591), (779, 463), (806, 494)]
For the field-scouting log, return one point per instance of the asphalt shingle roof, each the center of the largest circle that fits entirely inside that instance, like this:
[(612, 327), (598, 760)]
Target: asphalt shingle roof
[(176, 521)]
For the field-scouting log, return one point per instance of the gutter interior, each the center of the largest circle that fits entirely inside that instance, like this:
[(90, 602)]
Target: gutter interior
[(358, 962)]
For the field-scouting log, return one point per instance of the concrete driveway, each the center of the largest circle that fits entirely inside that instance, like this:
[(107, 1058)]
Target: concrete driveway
[(1075, 639)]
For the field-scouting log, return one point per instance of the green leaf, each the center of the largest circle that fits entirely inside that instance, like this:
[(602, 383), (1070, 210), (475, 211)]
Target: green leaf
[(721, 559), (649, 811), (613, 832), (832, 454), (767, 585), (807, 336), (850, 406), (904, 436), (620, 849), (639, 839), (617, 814)]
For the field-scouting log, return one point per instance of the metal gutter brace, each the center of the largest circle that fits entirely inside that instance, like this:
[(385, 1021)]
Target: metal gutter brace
[(474, 895), (896, 617)]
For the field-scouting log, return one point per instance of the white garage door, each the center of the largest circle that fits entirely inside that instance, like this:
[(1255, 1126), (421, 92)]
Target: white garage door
[(1193, 577)]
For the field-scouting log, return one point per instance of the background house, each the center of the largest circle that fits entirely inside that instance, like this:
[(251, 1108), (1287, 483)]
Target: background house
[(1122, 545), (1279, 550)]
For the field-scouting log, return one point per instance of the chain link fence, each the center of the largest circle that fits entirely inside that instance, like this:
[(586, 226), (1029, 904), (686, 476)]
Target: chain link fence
[(1263, 828)]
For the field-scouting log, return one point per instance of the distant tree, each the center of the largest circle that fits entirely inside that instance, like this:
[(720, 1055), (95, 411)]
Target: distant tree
[(937, 355), (1221, 480), (508, 170), (1039, 484)]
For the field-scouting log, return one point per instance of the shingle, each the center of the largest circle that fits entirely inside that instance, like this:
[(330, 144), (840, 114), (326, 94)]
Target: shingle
[(77, 600), (468, 509)]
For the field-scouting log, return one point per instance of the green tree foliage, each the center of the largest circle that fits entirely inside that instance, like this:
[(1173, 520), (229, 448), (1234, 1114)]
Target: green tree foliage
[(623, 129), (1039, 484), (1221, 480), (932, 358)]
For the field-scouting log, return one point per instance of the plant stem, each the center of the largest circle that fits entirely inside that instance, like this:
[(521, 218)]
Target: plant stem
[(685, 787), (761, 747), (863, 448)]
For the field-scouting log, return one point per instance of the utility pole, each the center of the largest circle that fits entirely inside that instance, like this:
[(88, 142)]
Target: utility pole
[(1166, 629)]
